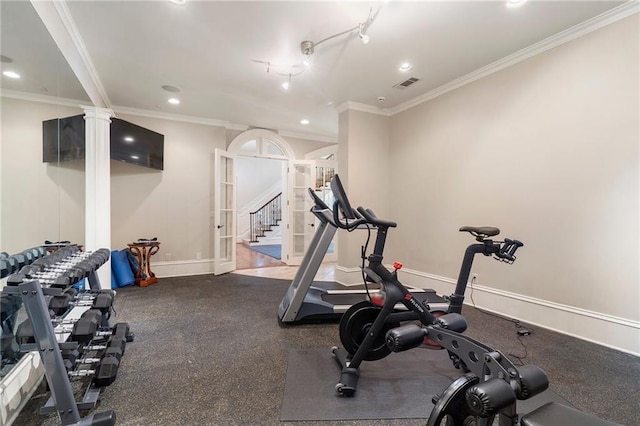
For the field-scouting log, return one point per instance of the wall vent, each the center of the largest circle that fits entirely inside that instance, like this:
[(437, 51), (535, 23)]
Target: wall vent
[(406, 83)]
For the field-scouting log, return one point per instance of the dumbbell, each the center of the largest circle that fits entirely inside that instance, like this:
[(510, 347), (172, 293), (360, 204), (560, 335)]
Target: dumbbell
[(86, 327), (24, 333), (102, 300), (60, 304), (106, 369), (8, 266)]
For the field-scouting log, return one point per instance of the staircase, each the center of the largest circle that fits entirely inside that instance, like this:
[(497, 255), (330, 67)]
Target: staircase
[(265, 219)]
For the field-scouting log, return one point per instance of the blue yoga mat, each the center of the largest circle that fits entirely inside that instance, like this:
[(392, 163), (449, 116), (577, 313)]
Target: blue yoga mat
[(121, 273)]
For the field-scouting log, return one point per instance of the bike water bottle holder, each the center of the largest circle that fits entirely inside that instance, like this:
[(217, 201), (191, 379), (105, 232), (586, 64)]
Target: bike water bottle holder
[(507, 252)]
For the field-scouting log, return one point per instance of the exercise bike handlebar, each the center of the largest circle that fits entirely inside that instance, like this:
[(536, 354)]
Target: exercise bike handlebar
[(371, 218), (507, 252), (346, 223)]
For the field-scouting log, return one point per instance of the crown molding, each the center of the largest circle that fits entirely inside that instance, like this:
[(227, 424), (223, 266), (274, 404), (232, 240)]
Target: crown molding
[(308, 136), (616, 14), (177, 117), (77, 103), (45, 99), (356, 106)]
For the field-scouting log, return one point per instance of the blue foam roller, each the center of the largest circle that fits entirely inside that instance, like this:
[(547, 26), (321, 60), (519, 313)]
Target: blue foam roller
[(121, 269)]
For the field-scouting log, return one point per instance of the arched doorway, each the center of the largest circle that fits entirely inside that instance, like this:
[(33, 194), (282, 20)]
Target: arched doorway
[(261, 167)]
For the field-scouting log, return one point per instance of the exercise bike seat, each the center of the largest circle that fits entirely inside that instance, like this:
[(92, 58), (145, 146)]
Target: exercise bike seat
[(483, 231), (552, 414)]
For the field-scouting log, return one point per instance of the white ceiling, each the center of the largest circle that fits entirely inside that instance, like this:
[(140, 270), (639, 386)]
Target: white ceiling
[(207, 48)]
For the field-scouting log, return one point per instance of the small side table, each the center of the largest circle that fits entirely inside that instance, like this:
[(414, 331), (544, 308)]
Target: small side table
[(143, 251)]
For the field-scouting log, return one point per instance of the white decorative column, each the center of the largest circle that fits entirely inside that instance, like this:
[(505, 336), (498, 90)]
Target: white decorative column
[(98, 185)]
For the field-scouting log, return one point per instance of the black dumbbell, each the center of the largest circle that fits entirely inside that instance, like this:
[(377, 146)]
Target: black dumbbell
[(24, 333), (8, 266), (103, 301), (106, 371), (122, 330), (85, 328)]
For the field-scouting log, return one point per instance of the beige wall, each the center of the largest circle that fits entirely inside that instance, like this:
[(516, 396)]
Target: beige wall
[(40, 201), (174, 204), (43, 201), (547, 150), (363, 167)]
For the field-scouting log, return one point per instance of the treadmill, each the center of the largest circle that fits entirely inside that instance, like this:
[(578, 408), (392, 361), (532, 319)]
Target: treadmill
[(308, 301)]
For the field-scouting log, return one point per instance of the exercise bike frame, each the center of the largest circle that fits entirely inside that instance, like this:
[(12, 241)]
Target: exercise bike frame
[(389, 316)]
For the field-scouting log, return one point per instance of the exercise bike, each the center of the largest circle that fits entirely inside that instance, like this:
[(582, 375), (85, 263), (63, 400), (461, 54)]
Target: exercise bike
[(363, 326), (491, 387)]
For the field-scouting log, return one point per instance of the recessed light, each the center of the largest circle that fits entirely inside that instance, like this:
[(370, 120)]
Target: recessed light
[(11, 74), (405, 66), (135, 157), (174, 101), (128, 139), (304, 121), (515, 3), (169, 88)]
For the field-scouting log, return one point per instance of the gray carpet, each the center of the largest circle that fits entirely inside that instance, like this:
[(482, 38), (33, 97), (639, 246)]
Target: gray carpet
[(209, 351)]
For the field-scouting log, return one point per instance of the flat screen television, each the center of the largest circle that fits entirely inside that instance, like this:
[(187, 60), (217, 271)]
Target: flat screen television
[(63, 140), (134, 144)]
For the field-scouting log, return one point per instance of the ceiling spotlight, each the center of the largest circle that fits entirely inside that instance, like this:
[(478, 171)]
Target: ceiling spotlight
[(515, 3), (287, 83), (135, 157), (174, 101), (304, 121), (362, 35), (128, 139), (172, 89), (11, 74), (406, 66)]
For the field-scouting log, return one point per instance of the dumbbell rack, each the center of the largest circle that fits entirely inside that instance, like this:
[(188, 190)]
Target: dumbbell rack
[(47, 344)]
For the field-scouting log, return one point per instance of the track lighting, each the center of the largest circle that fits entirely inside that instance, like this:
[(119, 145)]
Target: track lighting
[(307, 47)]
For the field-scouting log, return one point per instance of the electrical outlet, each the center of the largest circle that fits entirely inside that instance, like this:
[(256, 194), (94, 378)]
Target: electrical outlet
[(474, 278), (198, 256), (167, 256)]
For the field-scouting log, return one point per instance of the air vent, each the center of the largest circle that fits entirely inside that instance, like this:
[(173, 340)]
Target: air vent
[(406, 83)]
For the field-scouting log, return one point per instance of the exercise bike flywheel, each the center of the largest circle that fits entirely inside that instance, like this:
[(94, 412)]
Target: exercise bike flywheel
[(355, 325)]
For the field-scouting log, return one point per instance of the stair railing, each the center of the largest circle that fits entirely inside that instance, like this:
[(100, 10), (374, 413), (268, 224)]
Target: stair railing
[(264, 218)]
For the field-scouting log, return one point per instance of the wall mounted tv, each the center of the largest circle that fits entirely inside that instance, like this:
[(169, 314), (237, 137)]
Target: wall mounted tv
[(63, 140)]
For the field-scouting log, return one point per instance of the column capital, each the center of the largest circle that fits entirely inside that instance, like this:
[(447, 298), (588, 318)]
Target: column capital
[(97, 112)]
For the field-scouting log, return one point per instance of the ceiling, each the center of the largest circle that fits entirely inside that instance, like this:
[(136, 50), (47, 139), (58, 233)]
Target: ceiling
[(208, 50)]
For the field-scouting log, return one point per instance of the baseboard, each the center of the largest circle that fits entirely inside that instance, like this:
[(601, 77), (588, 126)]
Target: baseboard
[(607, 330), (182, 268), (17, 387)]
